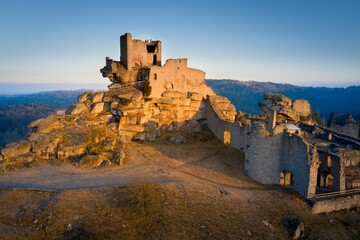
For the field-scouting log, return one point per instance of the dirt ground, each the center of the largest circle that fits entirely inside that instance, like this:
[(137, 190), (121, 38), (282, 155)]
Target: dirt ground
[(165, 190)]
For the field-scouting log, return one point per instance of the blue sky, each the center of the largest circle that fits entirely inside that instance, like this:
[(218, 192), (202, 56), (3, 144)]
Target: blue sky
[(307, 42)]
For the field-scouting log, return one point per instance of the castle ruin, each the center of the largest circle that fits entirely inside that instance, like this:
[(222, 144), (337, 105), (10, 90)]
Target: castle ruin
[(283, 145)]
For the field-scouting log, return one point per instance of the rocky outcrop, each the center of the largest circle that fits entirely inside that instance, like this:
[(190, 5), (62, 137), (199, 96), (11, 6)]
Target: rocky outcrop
[(286, 110), (13, 150), (282, 105), (93, 131), (223, 108)]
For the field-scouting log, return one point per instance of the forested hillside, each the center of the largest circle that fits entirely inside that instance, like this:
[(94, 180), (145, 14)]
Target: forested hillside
[(15, 118), (246, 96), (54, 98), (17, 111)]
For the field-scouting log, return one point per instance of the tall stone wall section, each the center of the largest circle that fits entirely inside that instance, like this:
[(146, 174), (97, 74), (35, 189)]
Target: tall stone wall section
[(263, 155), (267, 153), (301, 160), (218, 126)]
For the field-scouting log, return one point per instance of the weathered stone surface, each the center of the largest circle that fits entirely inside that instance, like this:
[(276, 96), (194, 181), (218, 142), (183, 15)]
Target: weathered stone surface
[(50, 124), (15, 149), (76, 108), (172, 94), (302, 106), (35, 123), (83, 97), (192, 126), (282, 105), (26, 158), (223, 108), (98, 97), (178, 139), (91, 161), (98, 108)]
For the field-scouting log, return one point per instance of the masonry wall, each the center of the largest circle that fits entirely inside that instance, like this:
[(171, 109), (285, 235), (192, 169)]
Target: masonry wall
[(297, 160), (218, 126), (336, 204), (263, 155), (134, 52), (175, 75)]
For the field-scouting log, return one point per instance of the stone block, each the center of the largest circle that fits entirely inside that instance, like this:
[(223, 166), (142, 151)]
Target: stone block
[(98, 97), (98, 108), (83, 97), (76, 108), (16, 149), (91, 161)]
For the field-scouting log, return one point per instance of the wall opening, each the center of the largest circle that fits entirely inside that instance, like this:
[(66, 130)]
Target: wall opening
[(328, 161), (329, 181), (286, 178), (154, 59), (227, 136), (155, 76), (150, 48)]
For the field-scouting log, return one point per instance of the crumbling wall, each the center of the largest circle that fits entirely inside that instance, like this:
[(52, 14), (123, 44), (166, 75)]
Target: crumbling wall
[(175, 75), (137, 53), (301, 159), (263, 155), (336, 204), (218, 126)]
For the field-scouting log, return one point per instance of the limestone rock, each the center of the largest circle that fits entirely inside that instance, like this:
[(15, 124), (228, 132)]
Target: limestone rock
[(91, 161), (16, 149), (76, 109), (44, 145)]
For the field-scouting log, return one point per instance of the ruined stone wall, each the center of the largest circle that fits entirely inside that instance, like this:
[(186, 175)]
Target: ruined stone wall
[(263, 155), (336, 204), (218, 126), (302, 161), (134, 53), (175, 75), (332, 164)]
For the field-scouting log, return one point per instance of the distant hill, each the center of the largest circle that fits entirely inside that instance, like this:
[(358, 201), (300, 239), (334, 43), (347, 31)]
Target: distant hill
[(61, 98), (17, 111), (246, 95)]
